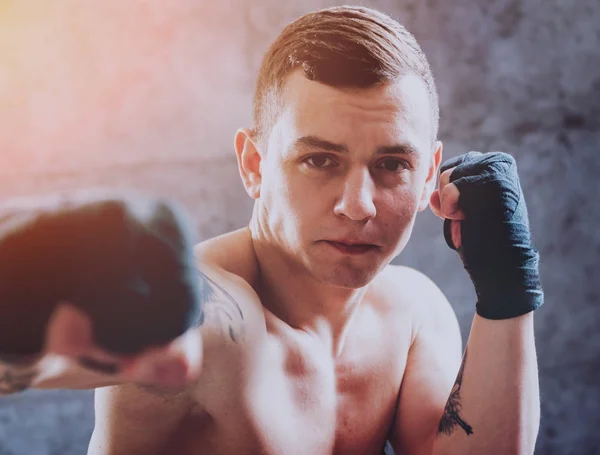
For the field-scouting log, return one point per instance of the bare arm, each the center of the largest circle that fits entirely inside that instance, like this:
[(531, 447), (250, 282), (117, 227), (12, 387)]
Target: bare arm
[(49, 373), (74, 363), (91, 283), (16, 374), (71, 360), (433, 361), (493, 406), (68, 362), (132, 419)]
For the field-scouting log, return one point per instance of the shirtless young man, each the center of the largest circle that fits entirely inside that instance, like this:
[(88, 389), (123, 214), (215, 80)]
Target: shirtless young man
[(309, 341)]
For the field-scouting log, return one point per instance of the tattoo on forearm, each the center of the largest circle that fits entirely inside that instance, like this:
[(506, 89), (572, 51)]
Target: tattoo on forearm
[(19, 359), (452, 418), (221, 308), (13, 380)]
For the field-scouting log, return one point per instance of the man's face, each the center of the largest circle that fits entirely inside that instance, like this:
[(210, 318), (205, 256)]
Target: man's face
[(344, 174)]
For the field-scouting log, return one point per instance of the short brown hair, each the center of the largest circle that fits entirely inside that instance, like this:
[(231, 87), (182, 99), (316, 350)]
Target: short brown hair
[(345, 46)]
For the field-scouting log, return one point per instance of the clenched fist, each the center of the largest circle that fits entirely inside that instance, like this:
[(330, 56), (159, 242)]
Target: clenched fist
[(486, 221), (97, 277)]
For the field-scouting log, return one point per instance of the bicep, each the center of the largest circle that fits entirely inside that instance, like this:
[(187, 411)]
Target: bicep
[(433, 363)]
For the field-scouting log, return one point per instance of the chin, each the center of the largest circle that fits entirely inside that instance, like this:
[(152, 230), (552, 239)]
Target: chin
[(352, 272), (345, 276)]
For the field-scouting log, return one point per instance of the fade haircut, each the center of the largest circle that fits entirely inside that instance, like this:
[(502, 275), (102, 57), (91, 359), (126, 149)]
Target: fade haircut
[(343, 47)]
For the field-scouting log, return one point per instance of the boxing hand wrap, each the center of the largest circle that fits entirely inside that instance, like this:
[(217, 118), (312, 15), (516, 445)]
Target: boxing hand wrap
[(126, 262), (496, 250)]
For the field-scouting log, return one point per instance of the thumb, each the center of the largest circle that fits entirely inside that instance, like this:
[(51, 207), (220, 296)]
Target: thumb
[(452, 233)]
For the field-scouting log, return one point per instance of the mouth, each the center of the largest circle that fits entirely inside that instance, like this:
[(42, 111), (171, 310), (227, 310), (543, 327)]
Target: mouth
[(352, 248)]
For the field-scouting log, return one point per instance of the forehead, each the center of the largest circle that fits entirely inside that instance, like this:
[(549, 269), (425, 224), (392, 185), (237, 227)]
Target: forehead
[(398, 111)]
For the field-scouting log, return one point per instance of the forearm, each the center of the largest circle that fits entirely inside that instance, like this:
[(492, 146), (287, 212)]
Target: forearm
[(49, 372), (494, 407), (16, 374)]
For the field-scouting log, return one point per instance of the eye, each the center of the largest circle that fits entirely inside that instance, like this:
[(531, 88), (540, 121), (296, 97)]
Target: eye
[(320, 161), (393, 165)]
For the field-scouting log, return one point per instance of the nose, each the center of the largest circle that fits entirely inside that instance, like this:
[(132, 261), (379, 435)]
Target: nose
[(357, 199)]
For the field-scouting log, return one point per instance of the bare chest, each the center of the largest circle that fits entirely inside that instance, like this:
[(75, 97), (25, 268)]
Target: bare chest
[(297, 400)]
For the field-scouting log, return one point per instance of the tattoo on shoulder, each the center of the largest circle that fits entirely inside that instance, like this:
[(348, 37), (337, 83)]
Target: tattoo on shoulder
[(15, 379), (220, 308), (452, 418)]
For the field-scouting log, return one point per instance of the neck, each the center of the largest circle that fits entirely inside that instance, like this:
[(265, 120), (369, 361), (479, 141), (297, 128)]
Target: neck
[(295, 297)]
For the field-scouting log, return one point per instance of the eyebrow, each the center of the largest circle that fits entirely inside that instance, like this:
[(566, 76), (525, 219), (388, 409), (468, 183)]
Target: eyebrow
[(405, 149)]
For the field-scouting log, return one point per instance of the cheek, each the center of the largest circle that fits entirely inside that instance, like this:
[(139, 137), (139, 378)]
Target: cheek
[(398, 210), (305, 194), (293, 205)]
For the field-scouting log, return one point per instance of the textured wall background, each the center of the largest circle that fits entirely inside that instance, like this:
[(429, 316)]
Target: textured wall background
[(148, 94)]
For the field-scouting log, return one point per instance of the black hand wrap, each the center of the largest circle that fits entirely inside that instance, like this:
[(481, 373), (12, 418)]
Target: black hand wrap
[(127, 262), (496, 249)]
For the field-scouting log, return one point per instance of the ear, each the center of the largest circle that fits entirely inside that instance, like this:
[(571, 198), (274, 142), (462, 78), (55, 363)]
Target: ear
[(248, 158), (430, 182)]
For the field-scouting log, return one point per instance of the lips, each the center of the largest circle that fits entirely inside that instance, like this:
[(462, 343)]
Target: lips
[(352, 248)]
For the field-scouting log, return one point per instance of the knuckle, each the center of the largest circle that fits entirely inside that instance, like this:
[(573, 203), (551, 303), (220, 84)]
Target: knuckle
[(504, 156)]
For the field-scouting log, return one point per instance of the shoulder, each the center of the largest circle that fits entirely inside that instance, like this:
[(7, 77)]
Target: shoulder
[(413, 283), (227, 270), (231, 254), (416, 295), (232, 323)]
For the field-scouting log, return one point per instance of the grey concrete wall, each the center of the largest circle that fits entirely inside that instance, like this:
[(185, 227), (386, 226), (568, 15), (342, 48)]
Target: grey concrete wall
[(148, 94)]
